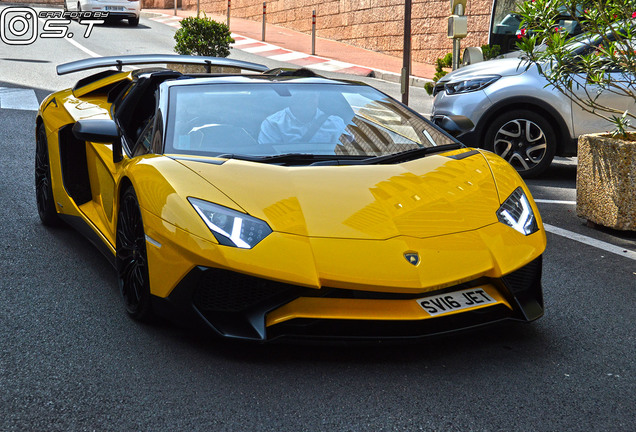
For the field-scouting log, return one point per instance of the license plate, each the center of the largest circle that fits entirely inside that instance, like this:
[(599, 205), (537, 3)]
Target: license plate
[(454, 301), (114, 8)]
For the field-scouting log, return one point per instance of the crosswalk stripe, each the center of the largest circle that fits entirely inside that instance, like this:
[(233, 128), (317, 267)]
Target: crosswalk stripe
[(261, 48), (18, 99), (331, 66), (289, 56), (243, 41)]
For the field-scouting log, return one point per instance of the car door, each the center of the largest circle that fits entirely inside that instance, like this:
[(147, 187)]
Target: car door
[(584, 120), (103, 177), (133, 114)]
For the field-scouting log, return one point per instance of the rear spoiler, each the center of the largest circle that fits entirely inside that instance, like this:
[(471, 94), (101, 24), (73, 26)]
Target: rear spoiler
[(120, 61)]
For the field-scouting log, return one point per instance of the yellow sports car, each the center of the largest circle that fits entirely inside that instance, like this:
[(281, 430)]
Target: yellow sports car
[(281, 204)]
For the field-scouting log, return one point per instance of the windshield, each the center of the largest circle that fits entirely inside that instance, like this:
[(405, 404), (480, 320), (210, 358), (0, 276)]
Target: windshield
[(269, 119), (587, 42)]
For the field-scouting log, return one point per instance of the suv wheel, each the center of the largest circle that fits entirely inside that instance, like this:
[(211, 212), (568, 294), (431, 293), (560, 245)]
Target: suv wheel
[(523, 138)]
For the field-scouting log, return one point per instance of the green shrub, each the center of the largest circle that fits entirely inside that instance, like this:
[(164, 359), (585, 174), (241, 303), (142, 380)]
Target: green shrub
[(490, 51), (203, 36), (440, 64)]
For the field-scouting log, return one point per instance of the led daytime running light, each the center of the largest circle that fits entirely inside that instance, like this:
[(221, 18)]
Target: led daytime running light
[(517, 213), (230, 227)]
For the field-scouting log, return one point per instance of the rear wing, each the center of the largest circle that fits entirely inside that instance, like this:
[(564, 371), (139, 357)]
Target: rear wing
[(120, 61)]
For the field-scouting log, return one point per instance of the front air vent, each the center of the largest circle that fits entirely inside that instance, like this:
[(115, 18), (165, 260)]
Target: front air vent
[(226, 291), (526, 278)]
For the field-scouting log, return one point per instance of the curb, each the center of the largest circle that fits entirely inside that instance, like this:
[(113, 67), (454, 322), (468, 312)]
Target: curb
[(396, 78), (145, 14)]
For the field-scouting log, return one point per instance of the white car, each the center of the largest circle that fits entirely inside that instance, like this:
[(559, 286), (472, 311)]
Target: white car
[(517, 115), (128, 9)]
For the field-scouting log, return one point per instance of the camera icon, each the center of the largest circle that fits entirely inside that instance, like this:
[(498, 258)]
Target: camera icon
[(18, 25)]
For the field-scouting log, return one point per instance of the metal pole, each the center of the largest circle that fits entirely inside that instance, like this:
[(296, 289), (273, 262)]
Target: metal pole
[(264, 13), (456, 54), (229, 4), (198, 8), (175, 7), (313, 32), (459, 11), (406, 55)]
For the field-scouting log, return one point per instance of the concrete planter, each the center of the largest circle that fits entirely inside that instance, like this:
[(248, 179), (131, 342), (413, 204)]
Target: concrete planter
[(188, 68), (606, 181)]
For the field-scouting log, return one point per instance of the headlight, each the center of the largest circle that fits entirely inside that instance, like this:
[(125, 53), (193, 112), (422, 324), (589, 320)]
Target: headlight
[(470, 85), (517, 213), (230, 227)]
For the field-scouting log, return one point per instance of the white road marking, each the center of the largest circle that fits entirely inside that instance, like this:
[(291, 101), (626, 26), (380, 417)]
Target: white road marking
[(608, 247), (243, 41), (83, 48), (262, 48), (92, 53), (76, 44), (547, 201), (289, 56), (18, 99), (331, 66)]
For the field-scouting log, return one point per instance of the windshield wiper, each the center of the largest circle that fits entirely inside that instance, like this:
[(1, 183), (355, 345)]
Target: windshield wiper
[(318, 160), (288, 158), (410, 154), (282, 158)]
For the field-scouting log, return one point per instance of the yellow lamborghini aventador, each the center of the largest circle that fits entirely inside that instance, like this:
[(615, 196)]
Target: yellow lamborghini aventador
[(281, 204)]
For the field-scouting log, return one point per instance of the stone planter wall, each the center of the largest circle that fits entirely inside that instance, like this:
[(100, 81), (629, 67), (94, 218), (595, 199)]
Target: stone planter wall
[(606, 181)]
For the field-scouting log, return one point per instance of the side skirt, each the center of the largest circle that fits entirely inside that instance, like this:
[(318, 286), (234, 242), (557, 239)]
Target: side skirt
[(85, 229)]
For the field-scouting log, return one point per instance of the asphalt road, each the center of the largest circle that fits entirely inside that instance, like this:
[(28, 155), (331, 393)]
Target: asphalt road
[(70, 359)]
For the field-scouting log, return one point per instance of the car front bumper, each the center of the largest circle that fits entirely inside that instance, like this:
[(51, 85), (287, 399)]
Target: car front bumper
[(239, 306), (472, 105)]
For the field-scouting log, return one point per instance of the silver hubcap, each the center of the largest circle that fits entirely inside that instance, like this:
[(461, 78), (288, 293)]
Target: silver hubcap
[(522, 143)]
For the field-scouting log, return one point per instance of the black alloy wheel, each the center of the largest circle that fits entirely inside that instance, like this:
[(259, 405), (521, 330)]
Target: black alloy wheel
[(43, 188), (525, 139), (132, 259)]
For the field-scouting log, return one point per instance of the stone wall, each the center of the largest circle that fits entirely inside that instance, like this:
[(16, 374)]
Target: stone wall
[(372, 24), (376, 25)]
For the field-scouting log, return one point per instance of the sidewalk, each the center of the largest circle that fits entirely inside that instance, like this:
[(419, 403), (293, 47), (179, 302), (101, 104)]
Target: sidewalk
[(291, 46)]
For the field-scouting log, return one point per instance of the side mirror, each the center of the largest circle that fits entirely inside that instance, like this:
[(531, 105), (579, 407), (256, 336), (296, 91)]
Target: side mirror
[(456, 125), (98, 131), (102, 131)]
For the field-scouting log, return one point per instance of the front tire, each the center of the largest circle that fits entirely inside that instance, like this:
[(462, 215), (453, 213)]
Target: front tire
[(524, 139), (132, 259), (43, 187)]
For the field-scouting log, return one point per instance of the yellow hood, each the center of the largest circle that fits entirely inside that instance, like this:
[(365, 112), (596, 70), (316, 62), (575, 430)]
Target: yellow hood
[(427, 197)]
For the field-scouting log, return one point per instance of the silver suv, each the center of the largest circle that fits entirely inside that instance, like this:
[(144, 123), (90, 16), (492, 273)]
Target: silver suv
[(516, 114)]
